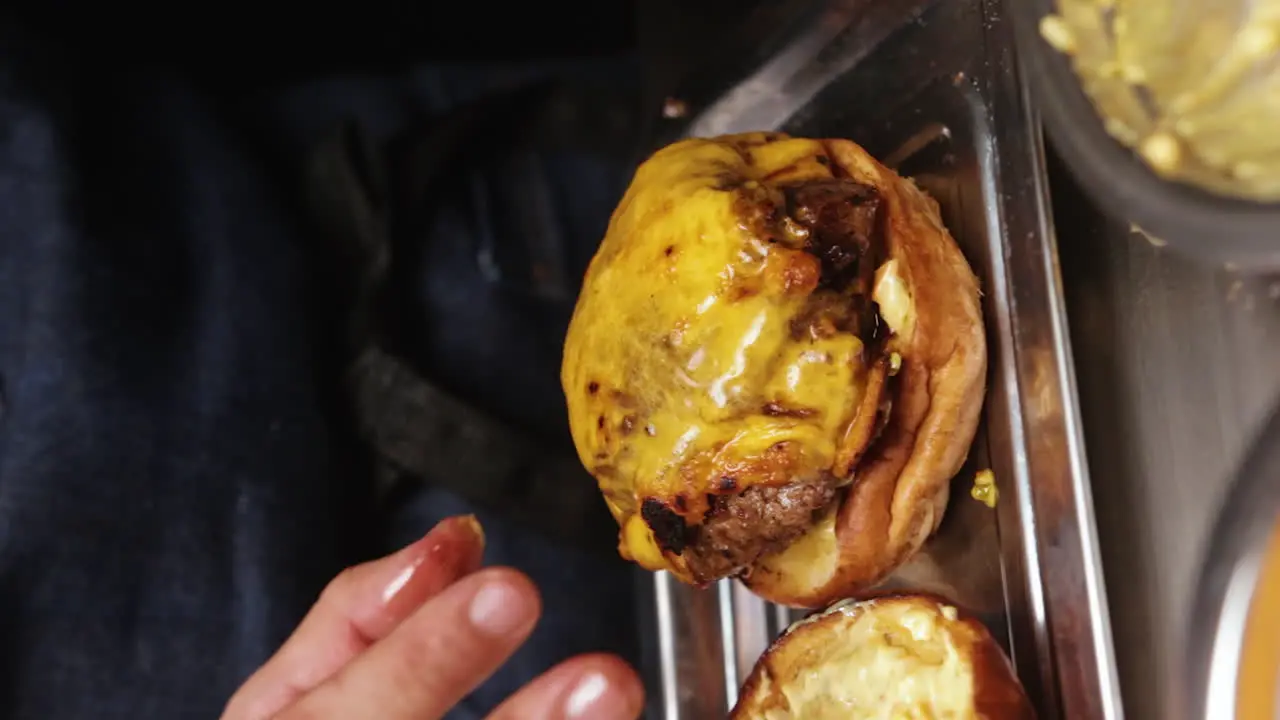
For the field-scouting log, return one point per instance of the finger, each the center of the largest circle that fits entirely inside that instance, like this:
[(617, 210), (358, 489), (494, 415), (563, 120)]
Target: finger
[(436, 657), (361, 606), (595, 687)]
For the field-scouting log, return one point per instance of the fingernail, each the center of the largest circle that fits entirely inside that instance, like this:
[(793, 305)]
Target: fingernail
[(591, 698), (472, 525), (457, 541), (499, 609)]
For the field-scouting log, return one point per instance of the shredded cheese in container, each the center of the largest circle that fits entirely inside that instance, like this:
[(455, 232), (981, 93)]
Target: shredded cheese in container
[(1192, 87)]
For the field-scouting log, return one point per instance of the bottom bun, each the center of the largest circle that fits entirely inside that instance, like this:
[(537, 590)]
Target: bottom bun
[(896, 656)]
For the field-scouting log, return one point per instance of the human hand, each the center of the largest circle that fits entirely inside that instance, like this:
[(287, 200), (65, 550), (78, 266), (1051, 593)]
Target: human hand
[(408, 636)]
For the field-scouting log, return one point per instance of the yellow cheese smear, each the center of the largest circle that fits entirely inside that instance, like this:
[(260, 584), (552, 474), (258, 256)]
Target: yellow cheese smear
[(984, 488), (896, 663)]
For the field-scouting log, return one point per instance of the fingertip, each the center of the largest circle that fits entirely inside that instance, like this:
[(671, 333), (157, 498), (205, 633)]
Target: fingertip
[(505, 602), (516, 579), (451, 550), (606, 687), (381, 594), (586, 687)]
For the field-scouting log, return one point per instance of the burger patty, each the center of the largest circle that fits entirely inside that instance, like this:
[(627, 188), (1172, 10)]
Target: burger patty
[(744, 527)]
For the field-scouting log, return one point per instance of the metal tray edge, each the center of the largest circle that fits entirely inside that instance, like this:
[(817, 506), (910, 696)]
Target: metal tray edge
[(1087, 677)]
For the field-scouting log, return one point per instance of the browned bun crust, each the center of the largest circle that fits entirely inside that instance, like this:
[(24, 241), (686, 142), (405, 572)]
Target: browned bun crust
[(984, 683), (901, 486)]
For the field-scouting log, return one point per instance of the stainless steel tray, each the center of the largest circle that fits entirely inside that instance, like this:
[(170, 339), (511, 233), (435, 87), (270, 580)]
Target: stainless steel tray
[(933, 88)]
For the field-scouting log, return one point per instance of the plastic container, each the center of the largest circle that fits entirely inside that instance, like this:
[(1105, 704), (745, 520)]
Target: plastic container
[(1200, 211)]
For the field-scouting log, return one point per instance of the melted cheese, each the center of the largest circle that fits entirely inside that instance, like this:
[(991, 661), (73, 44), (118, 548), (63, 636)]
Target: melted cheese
[(894, 299)]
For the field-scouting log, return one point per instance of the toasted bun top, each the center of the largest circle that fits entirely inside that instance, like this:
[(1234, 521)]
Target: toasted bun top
[(903, 656)]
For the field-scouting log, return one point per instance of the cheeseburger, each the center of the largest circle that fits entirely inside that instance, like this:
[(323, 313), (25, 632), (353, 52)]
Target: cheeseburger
[(775, 366)]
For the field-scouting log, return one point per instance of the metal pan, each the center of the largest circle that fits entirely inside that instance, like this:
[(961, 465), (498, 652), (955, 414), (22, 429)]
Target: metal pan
[(933, 89)]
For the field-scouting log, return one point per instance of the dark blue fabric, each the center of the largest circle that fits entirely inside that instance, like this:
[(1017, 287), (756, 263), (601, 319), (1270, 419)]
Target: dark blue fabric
[(176, 482)]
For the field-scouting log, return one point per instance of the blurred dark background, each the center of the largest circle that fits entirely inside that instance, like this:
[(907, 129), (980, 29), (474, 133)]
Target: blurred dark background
[(213, 213)]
